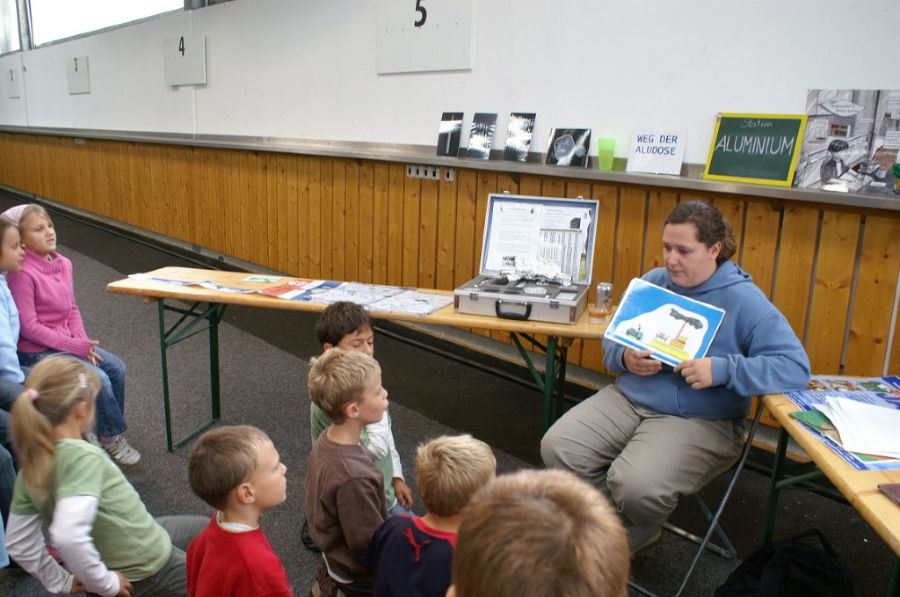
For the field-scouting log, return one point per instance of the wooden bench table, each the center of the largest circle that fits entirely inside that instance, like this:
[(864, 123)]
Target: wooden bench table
[(207, 306)]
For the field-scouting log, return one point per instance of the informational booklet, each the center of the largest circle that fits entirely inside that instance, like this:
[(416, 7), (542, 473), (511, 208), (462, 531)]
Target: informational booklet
[(519, 132), (414, 302), (673, 327), (481, 136), (877, 391), (449, 134), (835, 150), (291, 290), (885, 140), (569, 147), (262, 279)]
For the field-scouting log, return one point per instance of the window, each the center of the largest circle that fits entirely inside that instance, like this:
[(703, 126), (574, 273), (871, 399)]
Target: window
[(59, 19), (9, 26)]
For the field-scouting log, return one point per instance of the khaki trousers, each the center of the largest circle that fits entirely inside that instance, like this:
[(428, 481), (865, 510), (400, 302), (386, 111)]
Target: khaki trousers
[(642, 460)]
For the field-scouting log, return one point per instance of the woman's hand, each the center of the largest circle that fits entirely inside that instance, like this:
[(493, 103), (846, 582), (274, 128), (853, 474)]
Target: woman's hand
[(640, 363), (697, 372)]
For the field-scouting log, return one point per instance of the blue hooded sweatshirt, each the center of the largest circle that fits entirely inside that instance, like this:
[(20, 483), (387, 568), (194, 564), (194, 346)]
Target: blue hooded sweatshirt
[(754, 352)]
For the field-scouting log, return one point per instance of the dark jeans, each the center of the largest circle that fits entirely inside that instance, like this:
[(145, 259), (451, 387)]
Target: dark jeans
[(110, 411)]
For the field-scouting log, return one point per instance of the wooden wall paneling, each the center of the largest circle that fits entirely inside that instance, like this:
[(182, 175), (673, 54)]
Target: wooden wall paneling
[(630, 234), (893, 366), (316, 248), (159, 182), (465, 227), (272, 241), (351, 222), (529, 185), (170, 191), (140, 185), (304, 239), (213, 216), (395, 224), (366, 218), (760, 246), (338, 249), (604, 252), (280, 247), (659, 204), (326, 183), (796, 259), (412, 223), (446, 234), (193, 206), (733, 210), (290, 223), (381, 228), (876, 290), (428, 234), (831, 293)]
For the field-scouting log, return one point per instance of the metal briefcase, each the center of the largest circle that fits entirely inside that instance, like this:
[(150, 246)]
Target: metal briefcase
[(537, 254)]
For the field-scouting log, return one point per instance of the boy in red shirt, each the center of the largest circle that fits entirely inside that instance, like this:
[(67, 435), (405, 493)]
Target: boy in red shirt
[(237, 471)]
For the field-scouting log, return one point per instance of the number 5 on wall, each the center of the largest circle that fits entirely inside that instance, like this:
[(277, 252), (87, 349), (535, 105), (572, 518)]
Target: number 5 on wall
[(423, 14)]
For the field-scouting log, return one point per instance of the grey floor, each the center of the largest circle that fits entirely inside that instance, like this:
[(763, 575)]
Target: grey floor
[(263, 360)]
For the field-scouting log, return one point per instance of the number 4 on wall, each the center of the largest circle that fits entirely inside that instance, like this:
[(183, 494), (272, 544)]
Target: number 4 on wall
[(185, 60), (423, 14)]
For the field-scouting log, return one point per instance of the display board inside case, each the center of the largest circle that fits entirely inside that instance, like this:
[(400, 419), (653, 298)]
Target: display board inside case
[(536, 259)]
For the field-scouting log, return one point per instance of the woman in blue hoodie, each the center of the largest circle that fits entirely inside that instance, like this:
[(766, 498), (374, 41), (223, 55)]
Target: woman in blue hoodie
[(661, 432)]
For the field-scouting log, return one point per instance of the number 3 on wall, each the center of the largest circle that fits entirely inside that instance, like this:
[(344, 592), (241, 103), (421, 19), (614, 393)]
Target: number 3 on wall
[(423, 14)]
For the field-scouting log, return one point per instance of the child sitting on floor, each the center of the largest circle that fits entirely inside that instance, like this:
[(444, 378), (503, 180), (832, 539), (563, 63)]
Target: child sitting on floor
[(412, 555), (44, 292), (92, 515), (344, 490), (540, 533), (237, 471)]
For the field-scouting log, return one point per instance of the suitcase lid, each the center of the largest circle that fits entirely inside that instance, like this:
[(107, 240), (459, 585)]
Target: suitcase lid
[(563, 231)]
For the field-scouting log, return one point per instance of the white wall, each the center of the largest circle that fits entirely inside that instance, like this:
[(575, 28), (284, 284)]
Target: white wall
[(306, 69)]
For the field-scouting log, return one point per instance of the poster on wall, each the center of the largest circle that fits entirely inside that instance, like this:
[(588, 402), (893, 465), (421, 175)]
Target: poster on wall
[(519, 132), (838, 138), (569, 147), (449, 133)]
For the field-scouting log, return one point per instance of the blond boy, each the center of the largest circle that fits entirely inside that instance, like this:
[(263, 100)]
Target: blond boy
[(411, 555), (237, 471), (537, 533), (344, 491)]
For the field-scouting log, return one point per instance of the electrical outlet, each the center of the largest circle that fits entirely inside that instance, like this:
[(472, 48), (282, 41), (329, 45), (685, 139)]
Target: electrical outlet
[(449, 174), (420, 171)]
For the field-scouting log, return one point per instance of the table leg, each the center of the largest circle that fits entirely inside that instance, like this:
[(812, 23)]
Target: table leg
[(777, 466), (553, 383), (894, 582), (185, 327)]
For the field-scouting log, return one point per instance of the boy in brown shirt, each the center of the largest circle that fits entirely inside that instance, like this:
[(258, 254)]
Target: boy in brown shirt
[(344, 491)]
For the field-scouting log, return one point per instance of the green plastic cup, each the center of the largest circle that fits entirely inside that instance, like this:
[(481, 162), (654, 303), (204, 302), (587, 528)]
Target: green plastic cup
[(606, 152)]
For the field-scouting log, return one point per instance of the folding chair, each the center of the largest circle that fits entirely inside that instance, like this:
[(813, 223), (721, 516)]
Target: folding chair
[(703, 543)]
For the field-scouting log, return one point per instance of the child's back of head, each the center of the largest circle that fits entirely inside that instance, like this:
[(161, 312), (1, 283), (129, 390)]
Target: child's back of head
[(540, 533), (338, 378), (341, 320), (222, 460), (449, 469)]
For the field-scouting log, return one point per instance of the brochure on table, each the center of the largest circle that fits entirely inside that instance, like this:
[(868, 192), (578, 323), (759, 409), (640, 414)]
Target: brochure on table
[(878, 391), (673, 327)]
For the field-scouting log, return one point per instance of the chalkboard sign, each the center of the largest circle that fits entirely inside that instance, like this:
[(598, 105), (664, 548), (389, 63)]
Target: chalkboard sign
[(757, 148)]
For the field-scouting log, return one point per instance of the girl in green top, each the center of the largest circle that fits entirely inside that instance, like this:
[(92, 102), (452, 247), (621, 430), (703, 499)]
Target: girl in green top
[(93, 516)]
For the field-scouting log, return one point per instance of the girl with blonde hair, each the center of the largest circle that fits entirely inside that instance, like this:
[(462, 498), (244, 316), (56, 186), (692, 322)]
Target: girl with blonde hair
[(69, 488), (51, 323)]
